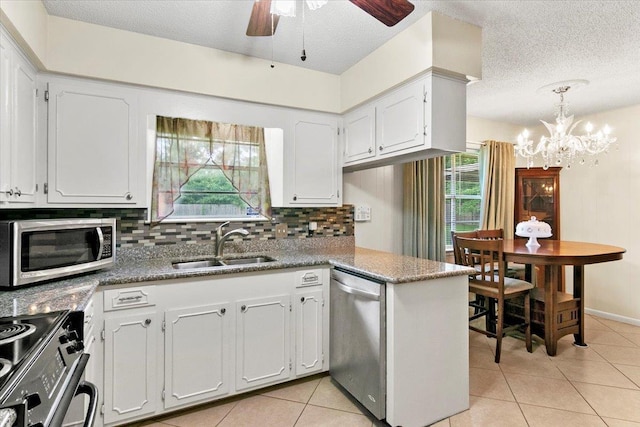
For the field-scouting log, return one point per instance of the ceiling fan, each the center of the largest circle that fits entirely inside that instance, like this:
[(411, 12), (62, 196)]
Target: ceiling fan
[(389, 12)]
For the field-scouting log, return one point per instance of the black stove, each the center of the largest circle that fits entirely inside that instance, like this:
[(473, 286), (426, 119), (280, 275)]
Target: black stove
[(41, 367)]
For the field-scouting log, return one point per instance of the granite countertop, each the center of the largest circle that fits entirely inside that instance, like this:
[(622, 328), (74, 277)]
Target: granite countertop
[(75, 293)]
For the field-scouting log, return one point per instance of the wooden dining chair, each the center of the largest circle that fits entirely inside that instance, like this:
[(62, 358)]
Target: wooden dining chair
[(489, 281), (480, 306)]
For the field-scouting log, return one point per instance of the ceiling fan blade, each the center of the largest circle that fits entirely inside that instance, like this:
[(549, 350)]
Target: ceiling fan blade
[(260, 20), (389, 12)]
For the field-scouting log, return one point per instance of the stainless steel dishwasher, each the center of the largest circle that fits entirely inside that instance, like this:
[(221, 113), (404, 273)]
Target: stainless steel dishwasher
[(358, 338)]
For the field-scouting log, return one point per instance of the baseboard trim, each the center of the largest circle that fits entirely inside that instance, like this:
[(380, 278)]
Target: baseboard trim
[(612, 316)]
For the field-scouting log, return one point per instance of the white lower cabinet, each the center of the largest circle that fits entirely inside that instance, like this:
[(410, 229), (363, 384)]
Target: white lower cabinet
[(197, 363), (263, 341), (171, 344), (130, 349), (309, 309)]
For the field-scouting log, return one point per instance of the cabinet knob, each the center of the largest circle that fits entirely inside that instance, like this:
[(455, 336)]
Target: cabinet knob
[(9, 192), (128, 196), (18, 192), (381, 148), (147, 322), (223, 310), (302, 299), (369, 150), (295, 197), (243, 308)]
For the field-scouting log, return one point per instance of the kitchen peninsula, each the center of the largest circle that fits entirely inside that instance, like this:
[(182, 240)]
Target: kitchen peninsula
[(426, 307)]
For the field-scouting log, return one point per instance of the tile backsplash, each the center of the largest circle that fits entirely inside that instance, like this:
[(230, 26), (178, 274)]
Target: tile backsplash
[(134, 232)]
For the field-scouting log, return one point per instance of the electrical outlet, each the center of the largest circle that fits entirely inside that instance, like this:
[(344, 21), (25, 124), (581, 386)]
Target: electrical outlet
[(281, 231)]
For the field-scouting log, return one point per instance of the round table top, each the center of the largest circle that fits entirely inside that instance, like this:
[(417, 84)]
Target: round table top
[(560, 252)]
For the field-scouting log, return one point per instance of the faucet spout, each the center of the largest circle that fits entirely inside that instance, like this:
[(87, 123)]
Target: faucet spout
[(220, 238)]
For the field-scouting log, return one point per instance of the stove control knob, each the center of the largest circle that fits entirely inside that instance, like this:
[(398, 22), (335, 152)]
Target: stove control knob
[(63, 339), (75, 347), (33, 400)]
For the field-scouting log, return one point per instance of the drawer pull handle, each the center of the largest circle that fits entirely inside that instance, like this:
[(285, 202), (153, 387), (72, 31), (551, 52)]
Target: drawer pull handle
[(125, 299), (309, 277)]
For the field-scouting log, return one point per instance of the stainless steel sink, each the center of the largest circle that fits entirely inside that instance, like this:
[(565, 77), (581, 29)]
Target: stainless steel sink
[(207, 263), (210, 263), (250, 260)]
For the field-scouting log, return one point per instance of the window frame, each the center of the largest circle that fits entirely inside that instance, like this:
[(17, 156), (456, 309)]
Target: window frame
[(472, 149), (150, 156)]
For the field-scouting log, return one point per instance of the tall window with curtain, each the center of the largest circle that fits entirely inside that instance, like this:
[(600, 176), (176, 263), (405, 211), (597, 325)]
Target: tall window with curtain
[(463, 194), (209, 170)]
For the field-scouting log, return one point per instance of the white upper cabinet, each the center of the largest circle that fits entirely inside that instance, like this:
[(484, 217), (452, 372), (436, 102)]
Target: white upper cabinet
[(360, 134), (315, 178), (400, 119), (17, 127), (92, 144), (423, 118)]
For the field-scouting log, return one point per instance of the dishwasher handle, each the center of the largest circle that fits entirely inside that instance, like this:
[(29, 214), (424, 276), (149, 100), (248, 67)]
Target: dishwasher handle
[(358, 292)]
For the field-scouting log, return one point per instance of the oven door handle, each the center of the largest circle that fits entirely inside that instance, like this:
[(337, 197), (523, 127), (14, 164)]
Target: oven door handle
[(85, 387), (72, 389)]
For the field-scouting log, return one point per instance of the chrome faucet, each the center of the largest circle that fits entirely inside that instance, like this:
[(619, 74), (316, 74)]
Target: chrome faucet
[(220, 239)]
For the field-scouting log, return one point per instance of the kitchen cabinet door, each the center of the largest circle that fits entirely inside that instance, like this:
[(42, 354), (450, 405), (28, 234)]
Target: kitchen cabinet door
[(92, 145), (315, 175), (130, 365), (263, 341), (17, 127), (400, 119), (360, 134), (309, 331), (197, 362)]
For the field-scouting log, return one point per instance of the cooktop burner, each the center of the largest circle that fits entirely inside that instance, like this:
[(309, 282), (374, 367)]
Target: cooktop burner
[(15, 331), (5, 366)]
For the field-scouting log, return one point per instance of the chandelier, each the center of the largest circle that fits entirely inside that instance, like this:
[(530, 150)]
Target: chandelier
[(561, 147)]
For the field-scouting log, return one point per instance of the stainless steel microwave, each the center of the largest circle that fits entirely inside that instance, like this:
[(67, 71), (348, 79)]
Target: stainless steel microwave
[(32, 251)]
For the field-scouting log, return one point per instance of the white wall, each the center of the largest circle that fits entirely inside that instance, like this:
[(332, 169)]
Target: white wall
[(381, 190), (601, 204)]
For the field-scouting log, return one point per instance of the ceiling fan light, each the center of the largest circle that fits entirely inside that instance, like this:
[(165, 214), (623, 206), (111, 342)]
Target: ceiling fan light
[(283, 8), (316, 4)]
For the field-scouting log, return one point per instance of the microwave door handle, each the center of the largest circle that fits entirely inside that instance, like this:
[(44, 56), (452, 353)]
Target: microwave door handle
[(100, 242)]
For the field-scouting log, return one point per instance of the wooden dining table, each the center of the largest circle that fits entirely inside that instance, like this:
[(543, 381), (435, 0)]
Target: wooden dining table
[(554, 254)]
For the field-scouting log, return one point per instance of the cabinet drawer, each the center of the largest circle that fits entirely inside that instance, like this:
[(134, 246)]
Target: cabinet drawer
[(120, 299), (309, 278)]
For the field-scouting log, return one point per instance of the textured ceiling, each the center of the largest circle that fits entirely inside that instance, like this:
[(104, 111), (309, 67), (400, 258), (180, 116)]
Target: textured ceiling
[(526, 44)]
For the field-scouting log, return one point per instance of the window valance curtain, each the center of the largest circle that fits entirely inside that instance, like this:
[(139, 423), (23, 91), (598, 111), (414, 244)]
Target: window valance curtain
[(185, 146), (497, 175), (424, 200)]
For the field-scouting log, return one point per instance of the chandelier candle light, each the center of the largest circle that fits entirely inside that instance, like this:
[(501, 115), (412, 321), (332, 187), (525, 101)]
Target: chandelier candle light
[(562, 147)]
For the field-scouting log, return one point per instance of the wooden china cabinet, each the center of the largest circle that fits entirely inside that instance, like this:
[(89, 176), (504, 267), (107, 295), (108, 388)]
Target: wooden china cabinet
[(538, 194)]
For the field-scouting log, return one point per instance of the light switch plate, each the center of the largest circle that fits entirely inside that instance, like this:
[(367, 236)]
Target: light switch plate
[(281, 231), (362, 213)]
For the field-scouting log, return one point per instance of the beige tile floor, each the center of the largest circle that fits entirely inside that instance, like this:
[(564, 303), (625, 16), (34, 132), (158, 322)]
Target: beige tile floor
[(594, 386)]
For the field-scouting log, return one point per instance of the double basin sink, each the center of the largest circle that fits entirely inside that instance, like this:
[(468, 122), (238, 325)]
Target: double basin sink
[(223, 262)]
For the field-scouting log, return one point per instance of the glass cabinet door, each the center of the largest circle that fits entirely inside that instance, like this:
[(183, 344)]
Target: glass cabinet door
[(537, 194)]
